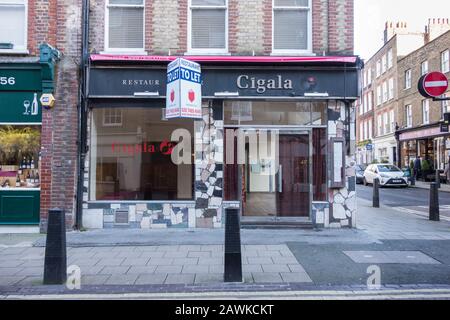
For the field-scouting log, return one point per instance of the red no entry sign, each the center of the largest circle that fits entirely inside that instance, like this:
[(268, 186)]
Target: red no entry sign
[(433, 84)]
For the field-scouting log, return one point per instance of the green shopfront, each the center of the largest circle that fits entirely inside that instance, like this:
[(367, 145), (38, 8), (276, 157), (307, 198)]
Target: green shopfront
[(21, 88)]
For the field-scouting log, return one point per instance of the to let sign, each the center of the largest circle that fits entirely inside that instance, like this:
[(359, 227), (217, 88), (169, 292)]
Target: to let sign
[(184, 90), (433, 85)]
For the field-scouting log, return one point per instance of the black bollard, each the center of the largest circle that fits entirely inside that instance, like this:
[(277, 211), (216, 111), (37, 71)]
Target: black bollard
[(413, 179), (438, 178), (233, 258), (55, 266), (434, 202), (376, 193)]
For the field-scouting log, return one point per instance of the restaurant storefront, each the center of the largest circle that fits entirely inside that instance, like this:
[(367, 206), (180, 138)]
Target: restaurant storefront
[(21, 88), (276, 140), (428, 142)]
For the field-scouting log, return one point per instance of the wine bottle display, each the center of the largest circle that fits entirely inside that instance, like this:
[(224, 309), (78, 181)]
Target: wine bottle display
[(18, 181)]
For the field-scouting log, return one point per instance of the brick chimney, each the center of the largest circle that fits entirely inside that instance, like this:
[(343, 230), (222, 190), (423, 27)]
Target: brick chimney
[(436, 27), (393, 28)]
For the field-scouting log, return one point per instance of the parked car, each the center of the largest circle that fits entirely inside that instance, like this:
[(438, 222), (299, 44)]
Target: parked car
[(360, 168), (388, 175)]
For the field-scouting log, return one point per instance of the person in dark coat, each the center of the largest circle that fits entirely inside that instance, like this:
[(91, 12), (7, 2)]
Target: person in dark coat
[(417, 167)]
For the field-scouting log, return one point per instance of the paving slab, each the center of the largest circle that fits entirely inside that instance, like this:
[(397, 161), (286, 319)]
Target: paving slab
[(184, 261), (94, 279), (135, 261), (180, 279), (126, 279), (275, 268), (267, 277), (115, 270), (10, 280), (168, 269), (110, 262), (151, 279), (141, 270), (203, 278), (296, 277), (390, 257), (193, 269)]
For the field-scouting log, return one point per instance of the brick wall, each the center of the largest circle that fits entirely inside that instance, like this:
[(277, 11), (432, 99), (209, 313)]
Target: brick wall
[(250, 26), (59, 125), (432, 53)]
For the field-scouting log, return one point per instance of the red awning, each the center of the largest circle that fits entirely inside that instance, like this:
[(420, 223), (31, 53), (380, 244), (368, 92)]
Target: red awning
[(224, 59)]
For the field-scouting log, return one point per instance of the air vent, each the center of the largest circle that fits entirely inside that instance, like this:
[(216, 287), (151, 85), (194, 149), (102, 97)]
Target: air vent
[(121, 216)]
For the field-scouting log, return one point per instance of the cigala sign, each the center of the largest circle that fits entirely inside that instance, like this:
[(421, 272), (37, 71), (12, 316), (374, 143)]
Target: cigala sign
[(184, 90)]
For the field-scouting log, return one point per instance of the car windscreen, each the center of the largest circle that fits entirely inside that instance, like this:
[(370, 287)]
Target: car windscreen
[(388, 169)]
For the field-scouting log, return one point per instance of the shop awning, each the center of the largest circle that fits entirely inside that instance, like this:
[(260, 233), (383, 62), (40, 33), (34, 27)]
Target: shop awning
[(226, 59)]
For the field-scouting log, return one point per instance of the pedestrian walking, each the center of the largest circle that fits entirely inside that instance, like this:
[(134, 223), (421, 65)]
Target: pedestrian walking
[(417, 167), (447, 171)]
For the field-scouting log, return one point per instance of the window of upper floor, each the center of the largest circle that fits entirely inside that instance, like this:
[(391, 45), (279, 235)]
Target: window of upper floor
[(378, 68), (425, 112), (390, 59), (408, 75), (424, 68), (408, 115), (124, 26), (13, 26), (383, 64), (385, 92), (391, 89), (369, 77), (292, 27), (445, 64), (445, 105), (208, 26)]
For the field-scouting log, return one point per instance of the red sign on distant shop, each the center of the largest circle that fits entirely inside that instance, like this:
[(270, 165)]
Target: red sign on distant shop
[(433, 85)]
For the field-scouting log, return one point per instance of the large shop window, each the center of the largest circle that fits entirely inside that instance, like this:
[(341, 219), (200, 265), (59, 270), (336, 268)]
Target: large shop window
[(13, 25), (132, 159), (291, 25), (125, 25), (20, 157), (267, 113), (208, 32)]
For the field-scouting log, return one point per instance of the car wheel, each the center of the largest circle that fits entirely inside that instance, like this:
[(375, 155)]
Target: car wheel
[(365, 182)]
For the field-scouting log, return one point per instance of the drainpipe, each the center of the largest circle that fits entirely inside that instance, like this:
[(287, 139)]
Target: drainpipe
[(82, 114)]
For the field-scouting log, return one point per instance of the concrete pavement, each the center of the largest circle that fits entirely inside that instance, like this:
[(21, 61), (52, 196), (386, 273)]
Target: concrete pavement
[(186, 260)]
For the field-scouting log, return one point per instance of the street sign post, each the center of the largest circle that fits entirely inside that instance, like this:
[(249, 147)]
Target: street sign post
[(433, 85)]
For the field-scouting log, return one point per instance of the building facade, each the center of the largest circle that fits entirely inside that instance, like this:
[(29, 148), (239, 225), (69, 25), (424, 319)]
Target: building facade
[(39, 58), (419, 118), (103, 151), (267, 66)]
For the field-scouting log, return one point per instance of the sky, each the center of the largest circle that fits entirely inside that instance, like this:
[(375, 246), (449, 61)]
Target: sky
[(371, 15)]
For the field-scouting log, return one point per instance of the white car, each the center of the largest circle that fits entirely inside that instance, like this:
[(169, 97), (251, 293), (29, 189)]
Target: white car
[(388, 175)]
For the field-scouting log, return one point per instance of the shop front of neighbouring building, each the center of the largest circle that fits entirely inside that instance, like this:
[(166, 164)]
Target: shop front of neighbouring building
[(427, 142), (276, 140), (21, 87)]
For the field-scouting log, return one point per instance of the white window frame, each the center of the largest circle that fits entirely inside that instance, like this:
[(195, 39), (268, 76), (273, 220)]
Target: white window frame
[(445, 105), (112, 124), (445, 61), (391, 88), (361, 131), (369, 76), (207, 51), (408, 116), (408, 79), (385, 92), (287, 52), (135, 51), (370, 128), (379, 96), (369, 101), (380, 125), (383, 64), (425, 115), (24, 49), (386, 123), (423, 70), (390, 59), (392, 119)]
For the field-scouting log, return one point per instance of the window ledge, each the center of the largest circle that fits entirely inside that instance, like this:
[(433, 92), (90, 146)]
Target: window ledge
[(293, 53), (124, 52), (13, 51), (207, 53)]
